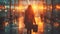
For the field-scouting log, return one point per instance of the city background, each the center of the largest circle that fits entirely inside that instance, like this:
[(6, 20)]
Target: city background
[(46, 12)]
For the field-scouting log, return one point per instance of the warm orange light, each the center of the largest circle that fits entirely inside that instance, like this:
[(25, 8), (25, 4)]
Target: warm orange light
[(57, 6), (34, 7), (20, 8), (6, 23), (40, 24), (56, 24), (50, 7), (41, 7), (1, 7), (21, 25)]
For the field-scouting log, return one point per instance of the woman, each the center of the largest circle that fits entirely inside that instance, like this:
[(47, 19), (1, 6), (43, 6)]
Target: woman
[(29, 19)]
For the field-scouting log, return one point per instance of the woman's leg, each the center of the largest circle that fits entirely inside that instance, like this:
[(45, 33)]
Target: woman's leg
[(28, 31)]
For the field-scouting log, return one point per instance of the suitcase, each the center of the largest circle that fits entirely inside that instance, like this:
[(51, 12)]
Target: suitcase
[(35, 28)]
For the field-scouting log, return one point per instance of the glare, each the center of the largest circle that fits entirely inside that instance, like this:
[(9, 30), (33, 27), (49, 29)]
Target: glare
[(40, 24), (38, 7), (21, 25), (19, 8), (57, 6), (41, 7), (35, 7)]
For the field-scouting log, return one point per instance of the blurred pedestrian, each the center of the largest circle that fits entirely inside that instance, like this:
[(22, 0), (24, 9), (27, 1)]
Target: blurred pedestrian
[(29, 19)]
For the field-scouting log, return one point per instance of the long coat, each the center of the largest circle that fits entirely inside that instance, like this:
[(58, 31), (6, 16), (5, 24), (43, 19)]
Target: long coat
[(29, 18)]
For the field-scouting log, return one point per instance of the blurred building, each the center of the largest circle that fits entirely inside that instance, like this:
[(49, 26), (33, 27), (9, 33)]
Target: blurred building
[(52, 16)]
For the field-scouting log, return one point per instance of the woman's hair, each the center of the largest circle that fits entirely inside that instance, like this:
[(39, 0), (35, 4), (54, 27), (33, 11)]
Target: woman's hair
[(30, 10), (29, 7)]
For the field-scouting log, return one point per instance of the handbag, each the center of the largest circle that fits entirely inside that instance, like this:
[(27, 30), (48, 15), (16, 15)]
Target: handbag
[(35, 28)]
